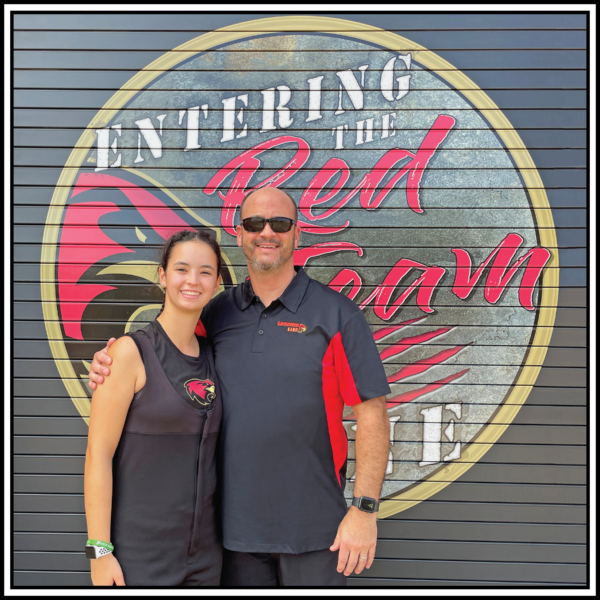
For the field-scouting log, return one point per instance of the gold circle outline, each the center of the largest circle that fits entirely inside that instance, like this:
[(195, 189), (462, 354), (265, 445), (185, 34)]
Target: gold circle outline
[(550, 278)]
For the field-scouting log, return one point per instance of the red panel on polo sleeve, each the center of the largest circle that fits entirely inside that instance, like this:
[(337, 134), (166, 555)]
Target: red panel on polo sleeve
[(200, 330), (344, 373), (338, 388)]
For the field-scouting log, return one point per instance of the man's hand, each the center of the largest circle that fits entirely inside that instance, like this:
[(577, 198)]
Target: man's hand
[(98, 368), (357, 534), (356, 540)]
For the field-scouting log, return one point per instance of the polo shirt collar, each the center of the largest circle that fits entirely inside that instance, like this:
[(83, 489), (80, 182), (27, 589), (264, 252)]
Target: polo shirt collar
[(291, 297)]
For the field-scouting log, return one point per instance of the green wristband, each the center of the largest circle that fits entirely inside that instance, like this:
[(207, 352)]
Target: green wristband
[(100, 544)]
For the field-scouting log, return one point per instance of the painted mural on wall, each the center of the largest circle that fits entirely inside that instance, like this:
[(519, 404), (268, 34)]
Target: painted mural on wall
[(416, 198)]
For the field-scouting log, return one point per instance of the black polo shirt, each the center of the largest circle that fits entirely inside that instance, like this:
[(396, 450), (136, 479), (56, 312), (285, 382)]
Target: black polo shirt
[(286, 372)]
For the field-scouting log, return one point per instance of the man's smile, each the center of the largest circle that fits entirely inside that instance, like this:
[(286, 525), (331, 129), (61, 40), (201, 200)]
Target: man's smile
[(267, 247)]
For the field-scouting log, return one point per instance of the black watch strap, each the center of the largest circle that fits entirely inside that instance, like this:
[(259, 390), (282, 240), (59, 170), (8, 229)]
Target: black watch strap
[(366, 504)]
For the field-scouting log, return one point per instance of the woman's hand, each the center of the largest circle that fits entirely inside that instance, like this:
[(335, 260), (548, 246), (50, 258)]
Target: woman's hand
[(106, 571)]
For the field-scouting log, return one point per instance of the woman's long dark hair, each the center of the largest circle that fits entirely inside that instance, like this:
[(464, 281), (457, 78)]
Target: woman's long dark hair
[(187, 235)]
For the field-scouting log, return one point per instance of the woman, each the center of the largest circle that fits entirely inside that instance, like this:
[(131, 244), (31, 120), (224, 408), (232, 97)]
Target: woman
[(150, 473)]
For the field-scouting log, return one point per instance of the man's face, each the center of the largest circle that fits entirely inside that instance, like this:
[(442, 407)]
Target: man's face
[(268, 251)]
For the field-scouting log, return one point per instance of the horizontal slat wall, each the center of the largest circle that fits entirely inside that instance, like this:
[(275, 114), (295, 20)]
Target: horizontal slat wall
[(518, 516)]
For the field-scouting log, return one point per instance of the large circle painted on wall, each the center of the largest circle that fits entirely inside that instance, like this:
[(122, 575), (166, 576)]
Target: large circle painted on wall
[(417, 199)]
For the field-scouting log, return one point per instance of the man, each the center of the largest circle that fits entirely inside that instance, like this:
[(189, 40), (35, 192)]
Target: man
[(289, 353)]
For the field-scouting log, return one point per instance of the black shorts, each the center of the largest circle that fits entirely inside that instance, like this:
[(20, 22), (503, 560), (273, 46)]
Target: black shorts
[(252, 569)]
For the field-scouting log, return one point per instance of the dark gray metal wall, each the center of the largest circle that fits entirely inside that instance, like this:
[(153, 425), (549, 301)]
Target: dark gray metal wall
[(518, 517)]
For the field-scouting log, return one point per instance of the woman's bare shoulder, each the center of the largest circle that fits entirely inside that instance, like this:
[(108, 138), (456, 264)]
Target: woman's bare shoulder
[(125, 350), (127, 365)]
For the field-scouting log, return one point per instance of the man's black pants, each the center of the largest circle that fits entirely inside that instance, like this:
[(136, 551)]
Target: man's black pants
[(249, 569)]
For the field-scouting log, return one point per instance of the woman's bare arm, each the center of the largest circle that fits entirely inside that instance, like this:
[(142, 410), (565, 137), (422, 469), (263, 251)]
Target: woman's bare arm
[(110, 404)]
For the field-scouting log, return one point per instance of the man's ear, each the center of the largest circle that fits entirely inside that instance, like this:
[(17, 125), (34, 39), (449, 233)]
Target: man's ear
[(238, 231), (297, 233)]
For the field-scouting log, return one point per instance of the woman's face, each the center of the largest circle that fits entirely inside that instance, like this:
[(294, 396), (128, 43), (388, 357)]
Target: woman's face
[(191, 277)]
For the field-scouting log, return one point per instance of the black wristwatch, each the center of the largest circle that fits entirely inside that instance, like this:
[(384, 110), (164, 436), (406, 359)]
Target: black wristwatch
[(366, 504)]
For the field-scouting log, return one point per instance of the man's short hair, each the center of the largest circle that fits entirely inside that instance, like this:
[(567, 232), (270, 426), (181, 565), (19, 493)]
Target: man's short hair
[(282, 191)]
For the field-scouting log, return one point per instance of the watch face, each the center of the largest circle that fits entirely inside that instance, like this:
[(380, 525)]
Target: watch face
[(368, 505), (90, 552)]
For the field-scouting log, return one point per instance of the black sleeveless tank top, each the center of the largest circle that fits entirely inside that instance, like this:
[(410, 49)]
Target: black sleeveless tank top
[(192, 377), (164, 521)]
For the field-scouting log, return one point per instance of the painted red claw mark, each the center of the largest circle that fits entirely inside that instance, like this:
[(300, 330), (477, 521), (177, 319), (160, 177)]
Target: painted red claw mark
[(385, 331), (414, 394), (408, 342), (420, 366), (424, 364), (426, 389)]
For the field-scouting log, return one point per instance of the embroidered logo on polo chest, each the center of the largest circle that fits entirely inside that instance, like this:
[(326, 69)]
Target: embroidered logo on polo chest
[(293, 327)]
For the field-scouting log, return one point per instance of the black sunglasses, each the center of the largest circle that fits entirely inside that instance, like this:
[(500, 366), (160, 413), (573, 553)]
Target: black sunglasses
[(257, 224)]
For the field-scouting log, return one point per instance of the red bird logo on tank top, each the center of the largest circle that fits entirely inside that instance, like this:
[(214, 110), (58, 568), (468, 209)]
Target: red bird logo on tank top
[(201, 390)]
